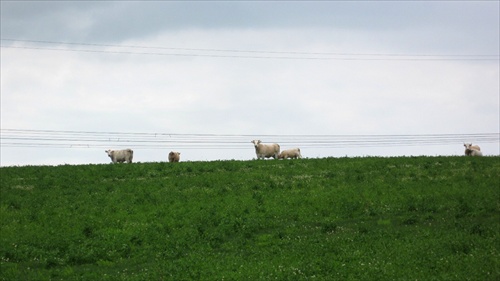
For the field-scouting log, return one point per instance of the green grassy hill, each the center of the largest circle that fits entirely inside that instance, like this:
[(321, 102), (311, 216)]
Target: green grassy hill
[(418, 218)]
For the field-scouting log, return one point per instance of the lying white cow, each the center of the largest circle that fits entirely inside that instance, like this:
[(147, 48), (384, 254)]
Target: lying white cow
[(293, 153), (266, 150), (472, 150), (174, 156), (120, 156)]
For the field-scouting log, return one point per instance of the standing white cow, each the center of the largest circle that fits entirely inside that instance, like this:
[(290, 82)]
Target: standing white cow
[(292, 153), (266, 150), (472, 147), (121, 156)]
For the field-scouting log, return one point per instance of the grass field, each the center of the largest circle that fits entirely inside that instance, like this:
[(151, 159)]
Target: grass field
[(404, 218)]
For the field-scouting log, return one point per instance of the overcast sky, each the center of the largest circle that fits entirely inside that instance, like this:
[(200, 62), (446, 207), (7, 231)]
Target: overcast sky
[(249, 68)]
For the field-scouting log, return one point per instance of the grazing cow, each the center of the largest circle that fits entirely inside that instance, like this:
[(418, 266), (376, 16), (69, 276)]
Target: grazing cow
[(293, 153), (266, 150), (120, 156), (174, 156)]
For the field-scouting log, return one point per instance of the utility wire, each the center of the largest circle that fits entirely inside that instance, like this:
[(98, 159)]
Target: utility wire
[(242, 51), (88, 139), (231, 53)]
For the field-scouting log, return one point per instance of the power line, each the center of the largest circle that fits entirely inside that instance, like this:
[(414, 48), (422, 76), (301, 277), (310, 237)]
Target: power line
[(88, 139), (243, 51), (232, 53)]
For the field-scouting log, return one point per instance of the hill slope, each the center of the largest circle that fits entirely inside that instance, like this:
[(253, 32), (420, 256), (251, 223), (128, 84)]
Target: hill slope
[(420, 218)]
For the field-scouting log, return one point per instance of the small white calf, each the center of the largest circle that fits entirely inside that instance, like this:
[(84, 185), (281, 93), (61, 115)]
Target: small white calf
[(266, 150), (121, 156), (174, 156), (293, 153)]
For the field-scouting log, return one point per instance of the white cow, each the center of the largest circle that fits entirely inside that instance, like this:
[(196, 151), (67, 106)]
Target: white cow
[(266, 150), (293, 153), (472, 147), (174, 156), (121, 156), (473, 152)]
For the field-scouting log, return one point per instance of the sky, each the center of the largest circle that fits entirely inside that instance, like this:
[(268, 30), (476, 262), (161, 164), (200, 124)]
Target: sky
[(235, 71)]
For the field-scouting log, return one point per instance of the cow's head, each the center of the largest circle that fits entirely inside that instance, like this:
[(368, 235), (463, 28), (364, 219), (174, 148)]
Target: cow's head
[(109, 152), (256, 142)]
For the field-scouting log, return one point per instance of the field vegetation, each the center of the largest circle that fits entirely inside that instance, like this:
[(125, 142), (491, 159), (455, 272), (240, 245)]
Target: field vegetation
[(370, 218)]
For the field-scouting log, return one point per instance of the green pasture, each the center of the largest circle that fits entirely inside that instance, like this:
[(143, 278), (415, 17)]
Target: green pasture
[(404, 218)]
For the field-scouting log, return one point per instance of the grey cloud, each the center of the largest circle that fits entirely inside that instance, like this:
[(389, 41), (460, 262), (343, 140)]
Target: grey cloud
[(51, 20), (115, 21)]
